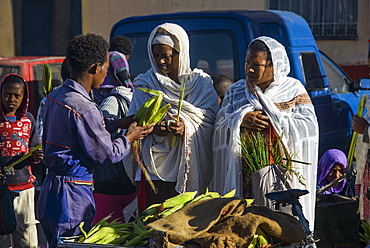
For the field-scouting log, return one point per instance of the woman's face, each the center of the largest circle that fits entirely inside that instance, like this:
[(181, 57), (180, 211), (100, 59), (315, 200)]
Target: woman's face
[(167, 59), (335, 172), (258, 70)]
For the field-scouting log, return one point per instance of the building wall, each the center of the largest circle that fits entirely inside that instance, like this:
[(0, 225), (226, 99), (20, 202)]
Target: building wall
[(102, 14), (6, 29)]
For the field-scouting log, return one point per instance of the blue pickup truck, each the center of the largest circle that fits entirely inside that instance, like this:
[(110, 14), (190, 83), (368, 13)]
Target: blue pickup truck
[(218, 43)]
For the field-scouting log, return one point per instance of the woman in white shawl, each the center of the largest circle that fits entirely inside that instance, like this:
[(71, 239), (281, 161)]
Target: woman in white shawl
[(186, 165), (266, 97)]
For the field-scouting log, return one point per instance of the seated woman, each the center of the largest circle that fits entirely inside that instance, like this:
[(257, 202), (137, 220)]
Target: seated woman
[(333, 165)]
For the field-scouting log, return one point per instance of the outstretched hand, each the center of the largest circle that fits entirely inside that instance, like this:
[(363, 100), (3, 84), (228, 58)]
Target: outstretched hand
[(135, 132)]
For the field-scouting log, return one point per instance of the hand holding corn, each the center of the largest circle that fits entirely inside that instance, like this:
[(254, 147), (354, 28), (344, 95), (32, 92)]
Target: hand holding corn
[(359, 124), (135, 132), (37, 155), (165, 127), (176, 127)]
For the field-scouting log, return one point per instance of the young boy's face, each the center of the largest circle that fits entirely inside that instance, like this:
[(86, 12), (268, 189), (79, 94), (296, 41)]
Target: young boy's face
[(12, 97)]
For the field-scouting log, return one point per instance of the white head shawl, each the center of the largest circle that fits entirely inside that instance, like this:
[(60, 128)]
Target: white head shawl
[(178, 33), (279, 57), (299, 126), (193, 153)]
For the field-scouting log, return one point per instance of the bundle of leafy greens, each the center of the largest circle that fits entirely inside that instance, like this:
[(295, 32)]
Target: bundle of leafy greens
[(259, 151)]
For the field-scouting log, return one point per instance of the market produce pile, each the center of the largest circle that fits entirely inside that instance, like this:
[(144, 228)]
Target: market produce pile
[(207, 220)]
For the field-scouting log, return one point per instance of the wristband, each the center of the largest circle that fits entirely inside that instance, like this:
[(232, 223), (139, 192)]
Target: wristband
[(168, 125)]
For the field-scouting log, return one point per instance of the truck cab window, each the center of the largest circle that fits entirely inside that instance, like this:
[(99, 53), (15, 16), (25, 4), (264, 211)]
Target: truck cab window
[(7, 69), (336, 79), (214, 52), (312, 72)]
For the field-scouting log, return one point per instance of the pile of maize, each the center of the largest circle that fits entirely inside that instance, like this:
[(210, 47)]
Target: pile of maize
[(171, 205), (115, 233)]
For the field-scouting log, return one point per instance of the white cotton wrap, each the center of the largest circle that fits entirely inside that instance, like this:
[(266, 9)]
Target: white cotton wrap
[(189, 162), (297, 125)]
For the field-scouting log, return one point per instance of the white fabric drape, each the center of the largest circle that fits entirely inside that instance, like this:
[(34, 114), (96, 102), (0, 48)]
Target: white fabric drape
[(361, 155), (291, 113), (189, 162)]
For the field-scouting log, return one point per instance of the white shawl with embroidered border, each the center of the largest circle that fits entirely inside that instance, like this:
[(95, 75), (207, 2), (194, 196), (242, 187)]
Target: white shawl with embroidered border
[(189, 162), (295, 121)]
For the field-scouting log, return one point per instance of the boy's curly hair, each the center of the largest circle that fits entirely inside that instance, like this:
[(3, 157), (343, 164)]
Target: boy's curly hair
[(86, 50), (121, 44)]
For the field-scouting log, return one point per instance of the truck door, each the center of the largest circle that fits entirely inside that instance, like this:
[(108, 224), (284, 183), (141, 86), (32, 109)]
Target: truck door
[(344, 101), (333, 105)]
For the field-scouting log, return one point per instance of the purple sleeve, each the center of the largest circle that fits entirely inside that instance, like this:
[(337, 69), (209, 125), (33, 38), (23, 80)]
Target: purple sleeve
[(96, 140), (110, 125)]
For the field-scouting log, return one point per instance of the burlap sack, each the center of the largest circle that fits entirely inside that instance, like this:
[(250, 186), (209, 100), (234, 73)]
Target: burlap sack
[(194, 219)]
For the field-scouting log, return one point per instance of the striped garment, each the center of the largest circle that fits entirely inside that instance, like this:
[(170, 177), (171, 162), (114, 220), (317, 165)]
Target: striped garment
[(292, 115), (189, 162)]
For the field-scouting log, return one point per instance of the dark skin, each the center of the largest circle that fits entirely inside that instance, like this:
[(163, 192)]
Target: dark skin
[(92, 79), (167, 60), (359, 124), (12, 94), (259, 72)]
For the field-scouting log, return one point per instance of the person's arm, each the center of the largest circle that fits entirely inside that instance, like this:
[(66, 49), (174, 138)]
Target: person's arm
[(38, 155), (96, 141)]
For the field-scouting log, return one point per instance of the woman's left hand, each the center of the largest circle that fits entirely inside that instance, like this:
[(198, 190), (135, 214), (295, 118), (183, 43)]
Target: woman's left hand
[(177, 128)]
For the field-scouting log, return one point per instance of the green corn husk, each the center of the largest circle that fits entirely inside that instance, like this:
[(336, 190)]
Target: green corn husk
[(181, 98), (47, 79), (148, 113), (24, 157), (352, 147)]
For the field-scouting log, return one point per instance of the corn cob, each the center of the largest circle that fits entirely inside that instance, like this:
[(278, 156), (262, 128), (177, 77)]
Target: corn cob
[(262, 238), (229, 194), (138, 240), (161, 113), (100, 234), (144, 107), (179, 199), (148, 113), (47, 79)]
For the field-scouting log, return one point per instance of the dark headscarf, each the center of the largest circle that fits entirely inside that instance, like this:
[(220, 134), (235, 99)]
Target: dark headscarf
[(326, 162)]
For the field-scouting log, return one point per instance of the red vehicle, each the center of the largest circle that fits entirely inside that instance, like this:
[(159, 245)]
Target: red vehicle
[(31, 69)]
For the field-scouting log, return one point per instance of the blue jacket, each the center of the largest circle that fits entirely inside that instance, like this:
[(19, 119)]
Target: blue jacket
[(75, 140)]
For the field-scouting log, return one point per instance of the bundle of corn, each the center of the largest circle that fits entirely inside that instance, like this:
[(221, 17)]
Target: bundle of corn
[(150, 112), (171, 205), (115, 233), (258, 150)]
